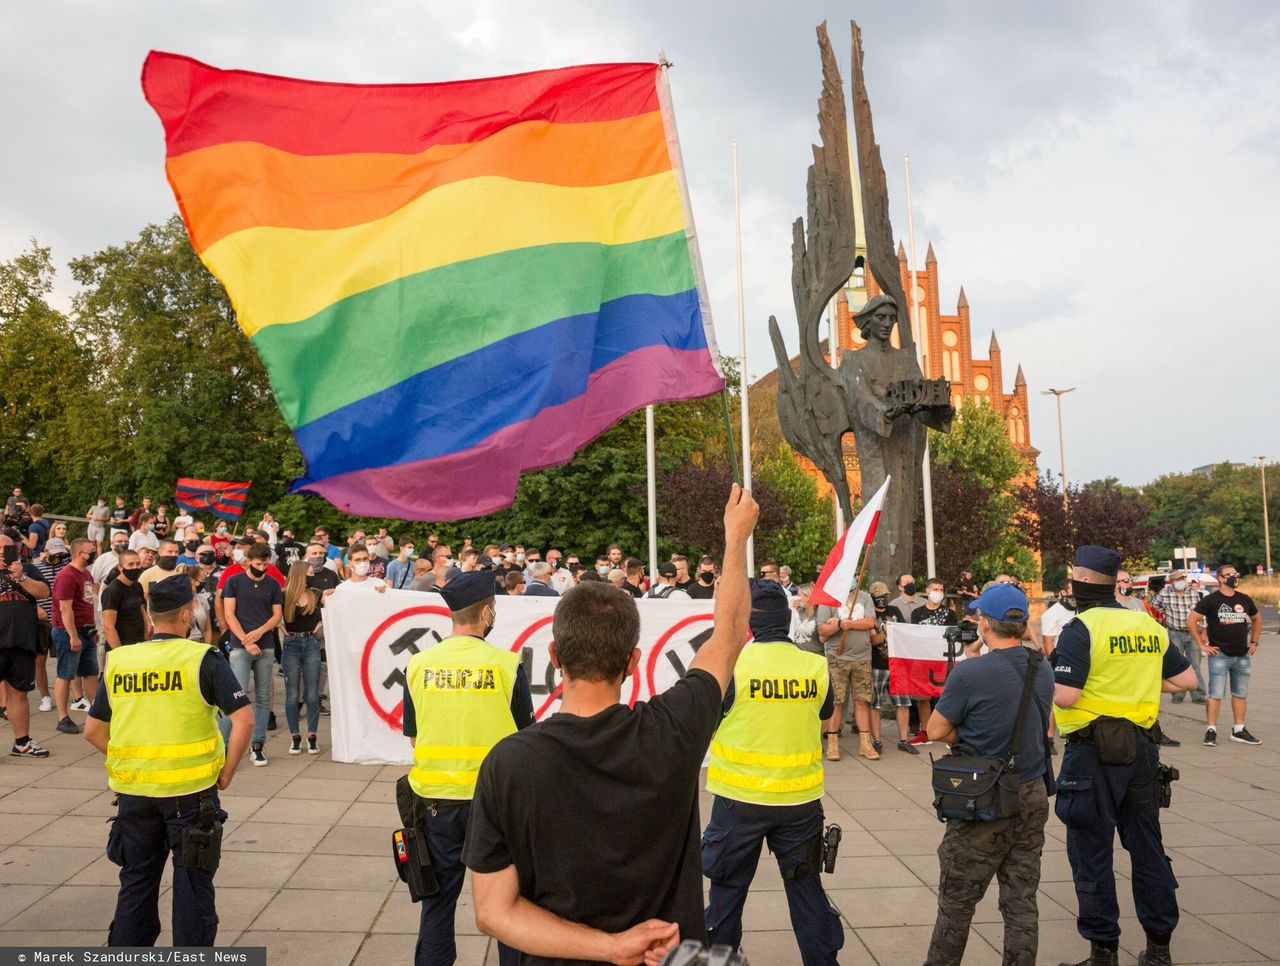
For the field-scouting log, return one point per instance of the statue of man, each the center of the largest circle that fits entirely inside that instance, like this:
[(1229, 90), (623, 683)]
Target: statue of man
[(890, 436)]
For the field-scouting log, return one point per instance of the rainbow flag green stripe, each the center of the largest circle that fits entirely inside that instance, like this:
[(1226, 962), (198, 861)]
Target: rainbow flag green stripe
[(386, 334), (450, 284)]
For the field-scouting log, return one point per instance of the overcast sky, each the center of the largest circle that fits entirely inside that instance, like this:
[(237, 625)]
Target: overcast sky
[(1103, 178)]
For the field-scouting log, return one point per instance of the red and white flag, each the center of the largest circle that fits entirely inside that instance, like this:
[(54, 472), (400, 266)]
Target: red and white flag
[(915, 652), (841, 569)]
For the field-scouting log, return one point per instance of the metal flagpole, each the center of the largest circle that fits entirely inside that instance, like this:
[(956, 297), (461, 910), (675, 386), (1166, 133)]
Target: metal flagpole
[(651, 468), (742, 349), (1266, 519), (925, 474)]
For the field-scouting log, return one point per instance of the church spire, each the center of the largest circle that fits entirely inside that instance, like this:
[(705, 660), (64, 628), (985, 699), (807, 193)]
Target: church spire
[(930, 258), (963, 301), (902, 252), (995, 346), (1019, 379)]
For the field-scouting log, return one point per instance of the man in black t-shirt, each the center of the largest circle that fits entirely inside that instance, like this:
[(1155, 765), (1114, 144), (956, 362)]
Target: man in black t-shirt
[(584, 831), (124, 606), (1226, 625), (703, 586)]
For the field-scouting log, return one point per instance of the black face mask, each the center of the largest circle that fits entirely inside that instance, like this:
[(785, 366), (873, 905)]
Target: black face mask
[(880, 602), (166, 562), (1125, 591), (1233, 580), (707, 577), (258, 570), (133, 573), (909, 590), (93, 555), (193, 545), (207, 558), (1068, 602), (120, 548)]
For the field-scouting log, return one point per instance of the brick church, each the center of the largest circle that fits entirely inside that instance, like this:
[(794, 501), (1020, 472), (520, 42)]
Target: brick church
[(947, 350)]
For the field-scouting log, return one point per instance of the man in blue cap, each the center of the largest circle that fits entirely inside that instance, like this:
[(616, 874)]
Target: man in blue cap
[(766, 774), (155, 717), (461, 697), (979, 708), (1110, 667)]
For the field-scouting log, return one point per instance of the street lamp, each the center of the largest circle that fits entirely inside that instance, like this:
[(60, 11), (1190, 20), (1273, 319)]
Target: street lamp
[(1266, 521), (1062, 446)]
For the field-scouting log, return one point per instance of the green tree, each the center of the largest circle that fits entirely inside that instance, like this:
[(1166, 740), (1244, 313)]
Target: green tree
[(1219, 513)]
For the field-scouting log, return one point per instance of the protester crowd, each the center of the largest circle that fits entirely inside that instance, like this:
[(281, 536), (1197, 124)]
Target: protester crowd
[(259, 596)]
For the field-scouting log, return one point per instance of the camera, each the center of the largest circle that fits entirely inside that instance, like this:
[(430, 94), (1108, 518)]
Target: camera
[(693, 953), (963, 634)]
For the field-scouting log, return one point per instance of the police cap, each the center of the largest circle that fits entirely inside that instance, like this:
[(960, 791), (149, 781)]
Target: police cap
[(170, 594), (768, 595), (467, 589), (1002, 602), (1103, 561)]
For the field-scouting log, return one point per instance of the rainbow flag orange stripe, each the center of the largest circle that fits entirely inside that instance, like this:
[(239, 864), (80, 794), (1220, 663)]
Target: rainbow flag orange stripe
[(450, 284)]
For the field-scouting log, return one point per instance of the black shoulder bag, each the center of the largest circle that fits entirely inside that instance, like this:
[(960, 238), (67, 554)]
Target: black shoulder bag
[(971, 788)]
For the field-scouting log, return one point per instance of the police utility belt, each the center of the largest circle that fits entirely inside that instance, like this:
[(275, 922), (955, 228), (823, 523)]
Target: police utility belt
[(197, 846), (409, 844), (971, 788), (1115, 742)]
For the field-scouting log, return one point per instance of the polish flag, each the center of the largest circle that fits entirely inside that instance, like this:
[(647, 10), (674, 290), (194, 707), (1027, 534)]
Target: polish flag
[(915, 652), (841, 569)]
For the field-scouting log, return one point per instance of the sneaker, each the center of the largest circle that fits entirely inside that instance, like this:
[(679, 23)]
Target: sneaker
[(271, 722), (313, 747), (908, 747), (1244, 737), (1211, 737), (81, 705), (1179, 697), (324, 708), (46, 703), (68, 727), (1168, 742), (256, 756), (920, 738), (295, 748), (878, 746), (1199, 700), (29, 750)]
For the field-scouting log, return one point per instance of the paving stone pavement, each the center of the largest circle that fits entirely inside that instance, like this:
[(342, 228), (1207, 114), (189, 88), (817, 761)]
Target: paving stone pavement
[(305, 870)]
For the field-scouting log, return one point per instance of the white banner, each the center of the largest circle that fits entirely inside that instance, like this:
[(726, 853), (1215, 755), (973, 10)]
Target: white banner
[(369, 638)]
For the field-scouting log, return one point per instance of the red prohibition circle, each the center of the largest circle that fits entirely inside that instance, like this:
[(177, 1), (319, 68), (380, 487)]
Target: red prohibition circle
[(394, 717), (652, 665), (527, 633)]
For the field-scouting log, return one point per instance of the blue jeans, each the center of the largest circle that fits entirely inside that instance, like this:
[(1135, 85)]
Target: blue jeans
[(301, 662), (243, 664), (1191, 650), (1221, 666)]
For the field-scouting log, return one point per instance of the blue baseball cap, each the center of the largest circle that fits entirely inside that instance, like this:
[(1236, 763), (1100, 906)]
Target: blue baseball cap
[(1002, 602)]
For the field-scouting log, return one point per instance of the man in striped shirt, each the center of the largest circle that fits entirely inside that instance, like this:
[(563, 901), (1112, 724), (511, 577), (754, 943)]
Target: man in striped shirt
[(1176, 601)]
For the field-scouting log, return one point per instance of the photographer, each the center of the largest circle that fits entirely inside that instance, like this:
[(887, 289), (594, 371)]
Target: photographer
[(979, 709)]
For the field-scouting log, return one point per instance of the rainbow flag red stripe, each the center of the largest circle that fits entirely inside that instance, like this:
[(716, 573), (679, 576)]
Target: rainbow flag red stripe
[(222, 499), (450, 284)]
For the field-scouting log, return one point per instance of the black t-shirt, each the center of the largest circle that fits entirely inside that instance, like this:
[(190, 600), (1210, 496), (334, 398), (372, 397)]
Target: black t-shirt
[(942, 617), (1228, 621), (880, 652), (254, 601), (218, 685), (599, 815), (127, 602), (698, 590), (307, 623), (18, 618), (1073, 654), (120, 517), (287, 551)]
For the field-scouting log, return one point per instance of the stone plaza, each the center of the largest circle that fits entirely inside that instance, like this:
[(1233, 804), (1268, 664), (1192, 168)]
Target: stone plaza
[(306, 869)]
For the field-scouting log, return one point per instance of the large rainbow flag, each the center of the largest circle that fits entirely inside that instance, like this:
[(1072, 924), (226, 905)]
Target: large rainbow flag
[(449, 283)]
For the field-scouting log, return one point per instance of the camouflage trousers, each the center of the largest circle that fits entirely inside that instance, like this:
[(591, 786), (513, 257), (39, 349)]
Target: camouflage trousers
[(970, 854)]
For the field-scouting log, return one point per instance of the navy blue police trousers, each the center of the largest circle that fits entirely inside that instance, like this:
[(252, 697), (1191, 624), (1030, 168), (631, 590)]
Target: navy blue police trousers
[(1094, 802), (730, 853)]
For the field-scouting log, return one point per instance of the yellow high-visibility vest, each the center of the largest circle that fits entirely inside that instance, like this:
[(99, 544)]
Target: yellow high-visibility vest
[(1126, 667), (768, 749), (164, 735), (461, 691)]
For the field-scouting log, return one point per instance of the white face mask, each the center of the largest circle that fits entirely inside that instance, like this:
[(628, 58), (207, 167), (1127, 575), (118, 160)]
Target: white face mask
[(1179, 585), (360, 569), (519, 558), (935, 596), (407, 551), (237, 556)]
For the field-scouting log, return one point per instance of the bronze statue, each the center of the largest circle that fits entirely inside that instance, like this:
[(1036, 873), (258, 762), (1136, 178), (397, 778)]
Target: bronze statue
[(878, 392)]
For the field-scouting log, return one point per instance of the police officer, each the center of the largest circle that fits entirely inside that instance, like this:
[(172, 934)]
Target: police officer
[(156, 718), (1110, 667), (767, 778), (979, 708), (461, 697)]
